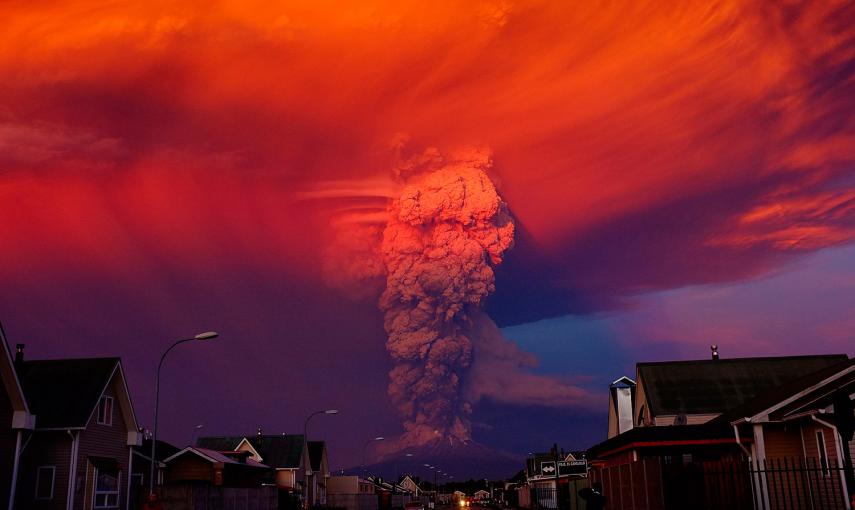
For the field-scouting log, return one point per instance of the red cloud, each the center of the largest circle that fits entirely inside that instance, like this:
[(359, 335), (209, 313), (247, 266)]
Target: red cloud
[(632, 141)]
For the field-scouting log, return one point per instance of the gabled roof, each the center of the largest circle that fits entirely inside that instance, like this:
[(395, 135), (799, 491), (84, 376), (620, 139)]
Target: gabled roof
[(622, 382), (279, 451), (213, 456), (63, 393), (834, 375), (163, 450), (716, 386)]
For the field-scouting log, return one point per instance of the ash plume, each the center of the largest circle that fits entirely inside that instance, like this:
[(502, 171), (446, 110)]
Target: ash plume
[(446, 230), (431, 245)]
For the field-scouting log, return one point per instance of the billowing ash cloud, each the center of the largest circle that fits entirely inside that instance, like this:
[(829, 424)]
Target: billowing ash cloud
[(435, 240), (446, 229)]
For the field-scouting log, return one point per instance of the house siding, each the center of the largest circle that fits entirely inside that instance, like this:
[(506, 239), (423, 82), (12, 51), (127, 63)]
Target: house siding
[(811, 452), (46, 448), (782, 442), (784, 449), (189, 467), (691, 419), (827, 498), (103, 441)]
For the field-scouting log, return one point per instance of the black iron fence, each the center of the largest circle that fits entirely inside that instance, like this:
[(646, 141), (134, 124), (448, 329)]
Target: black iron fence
[(668, 483), (791, 484), (566, 497)]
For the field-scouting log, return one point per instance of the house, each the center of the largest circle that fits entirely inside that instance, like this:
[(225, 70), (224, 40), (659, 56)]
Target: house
[(348, 485), (284, 453), (319, 473), (78, 454), (142, 465), (16, 424), (481, 495), (411, 486), (692, 393), (201, 466), (300, 467), (808, 425), (697, 391), (740, 433), (351, 493)]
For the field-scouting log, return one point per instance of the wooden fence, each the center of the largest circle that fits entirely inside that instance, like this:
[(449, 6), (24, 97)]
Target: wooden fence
[(189, 497)]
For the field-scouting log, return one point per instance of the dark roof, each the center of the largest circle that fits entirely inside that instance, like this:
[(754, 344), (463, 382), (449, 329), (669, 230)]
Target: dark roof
[(706, 431), (64, 392), (164, 449), (781, 393), (316, 454), (715, 386), (278, 451), (219, 443)]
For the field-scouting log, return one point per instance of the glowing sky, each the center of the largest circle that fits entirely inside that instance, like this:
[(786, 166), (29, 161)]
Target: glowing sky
[(678, 174)]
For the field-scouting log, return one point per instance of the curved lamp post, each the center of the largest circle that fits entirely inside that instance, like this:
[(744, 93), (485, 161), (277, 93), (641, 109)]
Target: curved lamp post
[(308, 459), (208, 335)]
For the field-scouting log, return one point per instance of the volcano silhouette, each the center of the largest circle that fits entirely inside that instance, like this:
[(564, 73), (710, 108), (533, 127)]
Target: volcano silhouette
[(458, 460)]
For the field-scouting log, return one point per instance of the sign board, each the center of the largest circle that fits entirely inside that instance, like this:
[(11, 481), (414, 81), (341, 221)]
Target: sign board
[(565, 467), (547, 468), (573, 467)]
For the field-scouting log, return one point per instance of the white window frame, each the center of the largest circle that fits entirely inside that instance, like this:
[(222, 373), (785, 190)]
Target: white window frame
[(52, 481), (822, 452), (117, 492), (107, 420)]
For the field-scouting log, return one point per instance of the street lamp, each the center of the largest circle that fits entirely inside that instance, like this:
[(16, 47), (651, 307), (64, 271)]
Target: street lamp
[(365, 447), (208, 335), (308, 460)]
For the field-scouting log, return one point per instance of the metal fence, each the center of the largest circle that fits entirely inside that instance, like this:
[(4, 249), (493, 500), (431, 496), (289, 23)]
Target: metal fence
[(772, 484), (793, 483), (566, 497)]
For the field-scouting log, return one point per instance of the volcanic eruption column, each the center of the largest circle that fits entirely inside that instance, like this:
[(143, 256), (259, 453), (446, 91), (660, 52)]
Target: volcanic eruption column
[(446, 230)]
